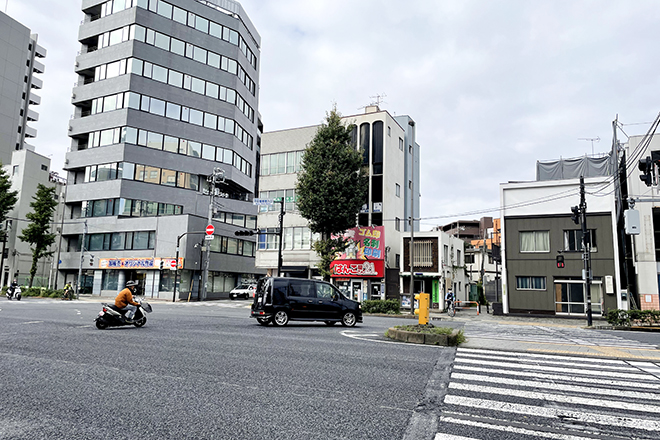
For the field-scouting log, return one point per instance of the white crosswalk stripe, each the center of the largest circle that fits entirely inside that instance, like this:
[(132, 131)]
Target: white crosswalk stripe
[(549, 397)]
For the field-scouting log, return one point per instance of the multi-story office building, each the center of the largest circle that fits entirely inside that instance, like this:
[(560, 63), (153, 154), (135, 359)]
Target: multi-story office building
[(390, 151), (18, 60), (167, 96)]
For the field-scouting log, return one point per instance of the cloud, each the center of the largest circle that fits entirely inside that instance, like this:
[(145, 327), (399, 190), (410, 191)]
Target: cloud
[(493, 86)]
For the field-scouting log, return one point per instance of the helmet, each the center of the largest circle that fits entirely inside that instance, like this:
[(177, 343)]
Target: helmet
[(131, 283)]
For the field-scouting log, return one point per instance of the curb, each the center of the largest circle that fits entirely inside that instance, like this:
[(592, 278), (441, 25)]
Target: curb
[(422, 338)]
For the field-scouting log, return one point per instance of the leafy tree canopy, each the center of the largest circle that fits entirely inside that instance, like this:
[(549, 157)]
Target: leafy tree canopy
[(8, 199), (37, 232)]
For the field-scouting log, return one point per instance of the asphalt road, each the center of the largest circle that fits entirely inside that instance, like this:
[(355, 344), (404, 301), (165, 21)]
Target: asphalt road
[(203, 371)]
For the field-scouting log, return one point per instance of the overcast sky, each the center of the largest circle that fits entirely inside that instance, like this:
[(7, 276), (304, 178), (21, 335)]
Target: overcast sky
[(493, 86)]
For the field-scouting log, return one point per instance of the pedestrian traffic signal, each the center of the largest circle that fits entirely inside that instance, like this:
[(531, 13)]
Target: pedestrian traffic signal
[(560, 261), (576, 215), (647, 169)]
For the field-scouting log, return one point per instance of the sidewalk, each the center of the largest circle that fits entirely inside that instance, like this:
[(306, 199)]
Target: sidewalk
[(582, 347)]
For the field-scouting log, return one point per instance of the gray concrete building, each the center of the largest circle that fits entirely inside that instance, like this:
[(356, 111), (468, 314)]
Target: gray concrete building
[(19, 53), (27, 170), (168, 94), (392, 155)]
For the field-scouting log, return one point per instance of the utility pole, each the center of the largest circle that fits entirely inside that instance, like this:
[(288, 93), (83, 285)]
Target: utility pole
[(586, 250), (281, 236), (412, 219), (218, 176), (82, 256), (2, 258)]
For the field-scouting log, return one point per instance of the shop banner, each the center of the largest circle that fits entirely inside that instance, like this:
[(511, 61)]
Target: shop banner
[(139, 263), (357, 268), (366, 243)]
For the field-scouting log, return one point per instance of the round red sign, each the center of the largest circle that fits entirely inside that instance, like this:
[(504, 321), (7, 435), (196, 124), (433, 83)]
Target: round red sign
[(209, 230), (173, 264)]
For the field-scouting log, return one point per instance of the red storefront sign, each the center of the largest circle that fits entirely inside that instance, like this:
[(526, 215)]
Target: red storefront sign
[(358, 268)]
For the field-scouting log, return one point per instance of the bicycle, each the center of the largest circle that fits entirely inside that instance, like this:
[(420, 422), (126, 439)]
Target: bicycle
[(451, 308)]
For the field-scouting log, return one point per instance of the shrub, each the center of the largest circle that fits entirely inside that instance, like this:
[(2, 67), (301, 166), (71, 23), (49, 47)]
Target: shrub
[(626, 318), (389, 306)]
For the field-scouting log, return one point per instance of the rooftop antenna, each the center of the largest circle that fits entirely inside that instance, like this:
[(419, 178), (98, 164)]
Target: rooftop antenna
[(596, 139), (378, 100)]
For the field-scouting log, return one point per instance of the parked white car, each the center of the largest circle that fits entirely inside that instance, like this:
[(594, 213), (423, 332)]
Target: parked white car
[(243, 291)]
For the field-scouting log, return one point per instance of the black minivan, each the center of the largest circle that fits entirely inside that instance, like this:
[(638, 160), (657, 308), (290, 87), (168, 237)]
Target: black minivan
[(280, 300)]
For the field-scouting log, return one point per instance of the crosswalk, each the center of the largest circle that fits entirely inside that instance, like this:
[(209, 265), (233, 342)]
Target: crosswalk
[(553, 335), (499, 394)]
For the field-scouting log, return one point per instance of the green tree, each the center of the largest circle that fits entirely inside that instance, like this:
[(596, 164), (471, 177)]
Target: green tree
[(40, 218), (332, 186), (8, 199)]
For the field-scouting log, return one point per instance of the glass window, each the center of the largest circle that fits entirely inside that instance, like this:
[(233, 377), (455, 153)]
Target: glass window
[(232, 246), (162, 41), (159, 74), (129, 135), (212, 90), (228, 157), (202, 24), (109, 103), (185, 114), (139, 32), (164, 9), (142, 137), (534, 241), (171, 144), (210, 121), (187, 79), (213, 60), (196, 117), (152, 174), (117, 241), (189, 50), (180, 15), (133, 100), (113, 70), (233, 37), (231, 96), (178, 47), (215, 29), (141, 240), (155, 141), (168, 177), (157, 107), (208, 152), (188, 181), (229, 126), (126, 170), (197, 85), (151, 37), (199, 54), (107, 138), (173, 111), (144, 105), (176, 79)]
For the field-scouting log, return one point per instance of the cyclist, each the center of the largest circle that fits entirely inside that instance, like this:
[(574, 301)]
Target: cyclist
[(449, 299), (68, 292)]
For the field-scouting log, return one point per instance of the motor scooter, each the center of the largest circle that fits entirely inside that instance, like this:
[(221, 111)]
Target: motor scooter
[(14, 292), (113, 316)]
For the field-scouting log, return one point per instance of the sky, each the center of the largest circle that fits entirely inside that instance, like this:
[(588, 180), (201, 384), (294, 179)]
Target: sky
[(492, 86)]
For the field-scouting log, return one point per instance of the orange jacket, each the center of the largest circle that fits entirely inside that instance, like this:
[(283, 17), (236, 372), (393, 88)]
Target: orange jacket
[(124, 298)]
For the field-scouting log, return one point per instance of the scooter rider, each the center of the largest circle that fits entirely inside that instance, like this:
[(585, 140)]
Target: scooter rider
[(12, 287), (124, 300)]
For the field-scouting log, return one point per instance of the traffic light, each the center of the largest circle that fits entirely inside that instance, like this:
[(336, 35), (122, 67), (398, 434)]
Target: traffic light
[(560, 261), (576, 215), (646, 167), (423, 310), (91, 260), (244, 232)]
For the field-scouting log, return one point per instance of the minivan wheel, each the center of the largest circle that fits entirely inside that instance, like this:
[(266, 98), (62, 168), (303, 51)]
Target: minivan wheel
[(348, 320), (281, 318)]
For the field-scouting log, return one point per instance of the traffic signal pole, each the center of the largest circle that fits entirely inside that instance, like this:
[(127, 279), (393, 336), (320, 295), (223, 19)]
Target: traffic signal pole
[(586, 251)]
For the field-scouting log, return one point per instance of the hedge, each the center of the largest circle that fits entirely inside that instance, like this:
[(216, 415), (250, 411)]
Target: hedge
[(626, 318), (38, 291), (389, 306)]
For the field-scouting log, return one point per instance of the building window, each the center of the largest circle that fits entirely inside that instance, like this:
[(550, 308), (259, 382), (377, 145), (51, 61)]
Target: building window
[(530, 283), (569, 296), (535, 241), (398, 190), (400, 144), (423, 256), (397, 224), (573, 240), (14, 170)]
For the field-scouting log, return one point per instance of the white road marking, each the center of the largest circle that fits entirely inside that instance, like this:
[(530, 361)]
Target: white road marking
[(32, 322), (589, 380), (509, 428), (554, 413), (572, 400)]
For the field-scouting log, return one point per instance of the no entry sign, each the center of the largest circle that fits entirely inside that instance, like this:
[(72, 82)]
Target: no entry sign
[(209, 230)]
